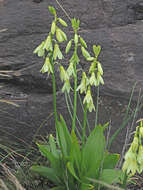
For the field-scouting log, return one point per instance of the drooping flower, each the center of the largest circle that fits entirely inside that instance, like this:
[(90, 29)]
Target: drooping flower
[(88, 100), (84, 83), (130, 165), (140, 158)]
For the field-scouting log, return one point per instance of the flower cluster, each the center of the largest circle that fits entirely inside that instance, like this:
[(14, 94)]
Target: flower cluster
[(49, 49), (95, 76), (134, 157)]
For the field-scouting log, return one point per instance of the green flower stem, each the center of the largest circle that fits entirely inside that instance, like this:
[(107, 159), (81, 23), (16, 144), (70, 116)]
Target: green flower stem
[(54, 91), (84, 124), (97, 107), (75, 99), (54, 103)]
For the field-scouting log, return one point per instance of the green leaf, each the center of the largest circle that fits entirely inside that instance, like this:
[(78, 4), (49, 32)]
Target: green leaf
[(110, 161), (62, 140), (66, 132), (53, 147), (96, 50), (44, 149), (85, 52), (86, 186), (68, 47), (64, 137), (71, 170), (52, 10), (111, 176), (93, 152), (62, 22), (83, 43), (53, 27), (75, 154), (50, 173), (55, 162)]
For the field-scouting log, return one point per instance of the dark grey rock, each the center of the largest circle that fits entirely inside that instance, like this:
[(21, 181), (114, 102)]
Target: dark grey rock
[(117, 25), (37, 1)]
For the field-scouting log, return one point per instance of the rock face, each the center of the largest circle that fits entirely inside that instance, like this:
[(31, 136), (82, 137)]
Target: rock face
[(117, 25)]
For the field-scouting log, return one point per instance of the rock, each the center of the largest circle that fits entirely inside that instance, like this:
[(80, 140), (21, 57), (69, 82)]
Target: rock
[(117, 25), (37, 1)]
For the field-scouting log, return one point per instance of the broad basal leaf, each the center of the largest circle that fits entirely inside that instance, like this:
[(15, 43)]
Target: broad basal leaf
[(75, 154), (64, 137), (50, 173), (111, 176), (44, 149), (110, 161), (93, 152)]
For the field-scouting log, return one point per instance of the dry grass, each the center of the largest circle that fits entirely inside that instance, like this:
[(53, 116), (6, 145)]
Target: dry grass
[(11, 178)]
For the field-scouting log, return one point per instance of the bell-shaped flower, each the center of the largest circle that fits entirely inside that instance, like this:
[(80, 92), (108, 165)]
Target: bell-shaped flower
[(75, 58), (63, 74), (84, 83), (93, 80), (130, 165), (100, 70), (140, 158), (88, 100), (48, 44), (60, 35), (66, 87), (141, 131), (99, 79), (47, 67), (135, 144), (70, 70), (57, 52), (40, 50)]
